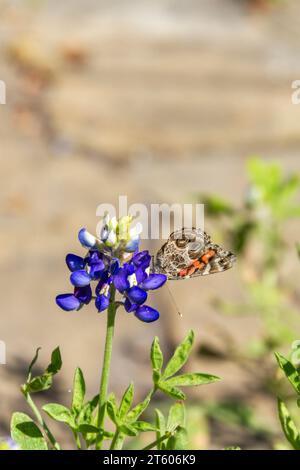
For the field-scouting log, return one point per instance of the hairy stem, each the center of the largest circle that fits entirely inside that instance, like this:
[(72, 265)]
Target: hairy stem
[(117, 442), (111, 314), (41, 421)]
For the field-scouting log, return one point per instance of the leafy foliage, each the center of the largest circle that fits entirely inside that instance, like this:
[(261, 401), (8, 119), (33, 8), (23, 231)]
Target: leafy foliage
[(289, 427), (260, 221), (81, 416)]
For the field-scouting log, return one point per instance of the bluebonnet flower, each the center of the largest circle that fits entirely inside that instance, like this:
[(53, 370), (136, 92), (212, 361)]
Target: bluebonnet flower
[(133, 280), (112, 260)]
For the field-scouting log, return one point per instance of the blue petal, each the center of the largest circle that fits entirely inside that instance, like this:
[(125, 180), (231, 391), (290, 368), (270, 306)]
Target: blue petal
[(94, 256), (140, 275), (132, 245), (96, 269), (80, 278), (67, 302), (102, 302), (136, 295), (129, 268), (147, 314), (120, 281), (101, 284), (154, 281), (83, 294), (86, 239), (142, 259), (115, 266), (130, 307), (74, 262)]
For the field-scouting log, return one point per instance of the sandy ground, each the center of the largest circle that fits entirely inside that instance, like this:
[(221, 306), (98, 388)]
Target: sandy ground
[(156, 100)]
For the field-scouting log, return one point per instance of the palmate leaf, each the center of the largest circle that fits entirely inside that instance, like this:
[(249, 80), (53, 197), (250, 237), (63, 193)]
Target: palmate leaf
[(138, 410), (180, 356), (288, 426), (26, 433), (78, 391)]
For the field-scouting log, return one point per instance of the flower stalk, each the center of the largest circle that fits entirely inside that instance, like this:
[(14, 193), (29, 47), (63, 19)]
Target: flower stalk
[(111, 314)]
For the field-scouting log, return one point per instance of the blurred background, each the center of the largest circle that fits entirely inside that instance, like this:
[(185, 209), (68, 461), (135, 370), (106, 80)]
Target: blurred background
[(163, 101)]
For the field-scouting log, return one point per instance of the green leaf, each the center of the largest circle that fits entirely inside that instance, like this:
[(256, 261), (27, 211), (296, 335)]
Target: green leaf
[(290, 371), (59, 413), (128, 430), (172, 392), (161, 428), (112, 409), (189, 380), (88, 428), (136, 412), (156, 355), (176, 416), (179, 440), (32, 363), (143, 426), (180, 356), (86, 413), (288, 425), (78, 390), (126, 401), (216, 206), (39, 383), (156, 376), (44, 381), (26, 433), (56, 362)]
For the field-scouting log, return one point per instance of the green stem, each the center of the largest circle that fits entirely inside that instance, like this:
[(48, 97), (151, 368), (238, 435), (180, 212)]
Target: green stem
[(117, 442), (111, 314), (77, 440), (41, 421), (158, 441)]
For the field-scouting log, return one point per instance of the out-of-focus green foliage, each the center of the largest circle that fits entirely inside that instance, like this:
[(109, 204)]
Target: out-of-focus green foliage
[(289, 426), (256, 231)]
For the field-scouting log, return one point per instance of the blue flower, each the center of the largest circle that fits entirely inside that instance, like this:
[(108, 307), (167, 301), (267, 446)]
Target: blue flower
[(133, 280), (81, 295), (83, 271)]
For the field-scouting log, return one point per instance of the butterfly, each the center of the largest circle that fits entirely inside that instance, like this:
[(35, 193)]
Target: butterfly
[(189, 253)]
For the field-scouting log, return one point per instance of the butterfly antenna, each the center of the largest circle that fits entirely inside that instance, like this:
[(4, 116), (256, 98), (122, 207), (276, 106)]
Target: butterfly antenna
[(174, 301)]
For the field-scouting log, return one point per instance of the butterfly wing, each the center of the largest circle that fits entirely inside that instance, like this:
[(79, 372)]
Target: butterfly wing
[(190, 253)]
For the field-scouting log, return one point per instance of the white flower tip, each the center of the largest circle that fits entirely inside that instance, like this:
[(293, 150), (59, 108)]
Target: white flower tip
[(111, 239), (135, 231), (86, 239)]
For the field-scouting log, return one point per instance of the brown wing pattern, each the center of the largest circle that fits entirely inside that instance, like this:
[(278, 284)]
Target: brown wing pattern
[(190, 253)]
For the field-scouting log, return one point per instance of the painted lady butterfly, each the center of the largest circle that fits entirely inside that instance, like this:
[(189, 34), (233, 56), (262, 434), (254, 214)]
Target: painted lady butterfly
[(189, 253)]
